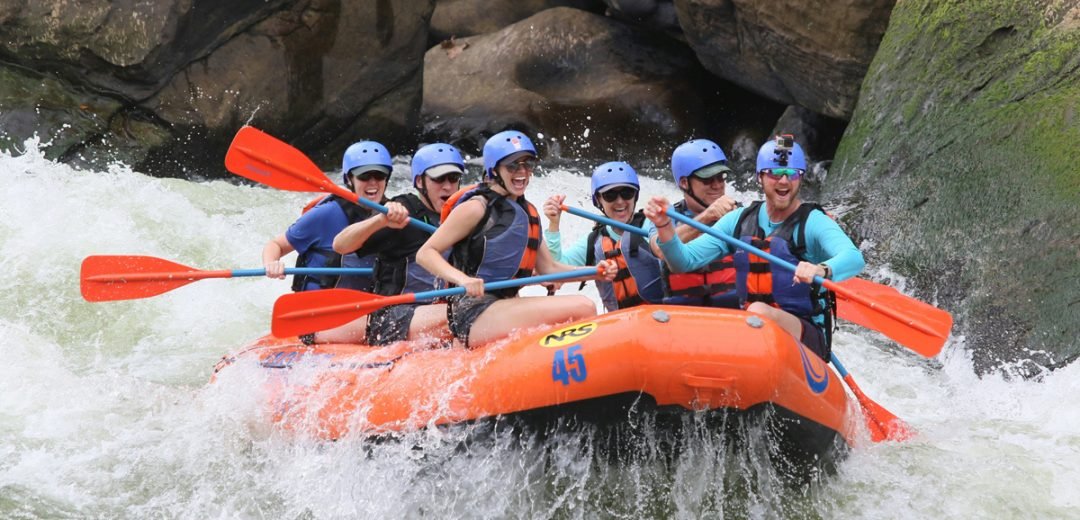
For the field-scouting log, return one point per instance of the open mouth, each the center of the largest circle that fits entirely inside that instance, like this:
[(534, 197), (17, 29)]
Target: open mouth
[(371, 193), (621, 212), (519, 183)]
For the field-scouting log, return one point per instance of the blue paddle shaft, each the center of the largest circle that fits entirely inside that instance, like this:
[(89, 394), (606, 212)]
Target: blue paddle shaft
[(506, 284), (734, 242), (314, 271), (739, 243), (604, 220), (419, 224)]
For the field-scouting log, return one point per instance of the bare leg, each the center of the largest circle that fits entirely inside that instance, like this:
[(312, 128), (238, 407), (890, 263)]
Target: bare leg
[(505, 316), (429, 321), (353, 332), (787, 321)]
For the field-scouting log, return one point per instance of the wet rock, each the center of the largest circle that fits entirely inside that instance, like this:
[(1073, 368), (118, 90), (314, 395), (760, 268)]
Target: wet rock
[(460, 18), (964, 149), (817, 134), (185, 75), (657, 15), (580, 78), (812, 54)]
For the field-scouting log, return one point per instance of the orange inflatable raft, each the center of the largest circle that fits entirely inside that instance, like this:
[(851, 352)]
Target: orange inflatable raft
[(682, 359)]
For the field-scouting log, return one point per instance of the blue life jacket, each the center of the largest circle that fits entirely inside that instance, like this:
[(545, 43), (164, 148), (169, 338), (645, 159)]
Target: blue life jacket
[(503, 244)]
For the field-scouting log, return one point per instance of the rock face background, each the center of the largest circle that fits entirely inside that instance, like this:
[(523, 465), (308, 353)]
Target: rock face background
[(812, 54), (962, 157), (959, 155), (164, 84), (582, 79)]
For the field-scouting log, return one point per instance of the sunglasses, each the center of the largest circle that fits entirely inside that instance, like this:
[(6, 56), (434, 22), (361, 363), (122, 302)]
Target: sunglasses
[(625, 193), (450, 177), (715, 179), (529, 163), (778, 173), (371, 174)]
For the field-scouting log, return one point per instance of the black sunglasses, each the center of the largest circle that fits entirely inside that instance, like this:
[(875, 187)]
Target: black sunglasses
[(528, 163), (715, 179), (450, 177), (371, 174), (626, 193)]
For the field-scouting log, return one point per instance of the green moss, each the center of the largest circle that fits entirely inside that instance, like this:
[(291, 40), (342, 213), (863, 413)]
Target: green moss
[(964, 146)]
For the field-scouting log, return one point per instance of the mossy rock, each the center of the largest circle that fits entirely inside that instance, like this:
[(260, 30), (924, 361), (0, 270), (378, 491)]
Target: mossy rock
[(965, 151)]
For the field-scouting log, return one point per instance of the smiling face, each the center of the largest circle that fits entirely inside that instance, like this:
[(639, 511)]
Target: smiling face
[(370, 185), (516, 173), (621, 205), (708, 190), (781, 192)]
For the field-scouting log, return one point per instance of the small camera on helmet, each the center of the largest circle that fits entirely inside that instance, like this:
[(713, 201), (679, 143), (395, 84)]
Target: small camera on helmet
[(785, 142)]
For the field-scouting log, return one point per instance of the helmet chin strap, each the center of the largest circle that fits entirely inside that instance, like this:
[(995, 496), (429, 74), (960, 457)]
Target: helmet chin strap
[(499, 180), (424, 193), (689, 193)]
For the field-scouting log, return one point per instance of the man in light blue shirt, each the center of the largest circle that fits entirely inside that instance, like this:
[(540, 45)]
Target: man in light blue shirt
[(796, 231)]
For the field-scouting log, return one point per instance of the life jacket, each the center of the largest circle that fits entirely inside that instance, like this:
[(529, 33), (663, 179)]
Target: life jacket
[(710, 286), (759, 281), (396, 270), (503, 244), (319, 257), (638, 279)]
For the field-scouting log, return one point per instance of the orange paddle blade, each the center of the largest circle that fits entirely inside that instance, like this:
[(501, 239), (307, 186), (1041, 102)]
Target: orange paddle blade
[(883, 424), (106, 278), (263, 158), (311, 311), (916, 325)]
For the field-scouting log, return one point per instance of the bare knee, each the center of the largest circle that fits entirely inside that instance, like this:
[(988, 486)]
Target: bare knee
[(760, 308), (583, 307)]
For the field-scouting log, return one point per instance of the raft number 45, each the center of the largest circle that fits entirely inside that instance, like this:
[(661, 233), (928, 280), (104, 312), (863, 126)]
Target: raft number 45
[(568, 364)]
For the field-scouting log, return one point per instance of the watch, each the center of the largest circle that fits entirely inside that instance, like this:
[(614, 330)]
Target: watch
[(828, 271)]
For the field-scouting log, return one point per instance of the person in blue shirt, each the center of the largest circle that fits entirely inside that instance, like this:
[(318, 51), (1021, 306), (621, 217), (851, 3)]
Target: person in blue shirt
[(796, 231), (365, 168), (436, 173), (700, 170), (615, 189)]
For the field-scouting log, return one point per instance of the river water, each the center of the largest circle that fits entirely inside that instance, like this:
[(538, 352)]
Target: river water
[(106, 410)]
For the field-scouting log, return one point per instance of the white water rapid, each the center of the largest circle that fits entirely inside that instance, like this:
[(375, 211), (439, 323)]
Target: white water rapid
[(106, 410)]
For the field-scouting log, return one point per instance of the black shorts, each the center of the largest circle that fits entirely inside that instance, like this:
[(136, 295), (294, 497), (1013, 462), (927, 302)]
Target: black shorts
[(463, 310), (390, 324), (814, 338)]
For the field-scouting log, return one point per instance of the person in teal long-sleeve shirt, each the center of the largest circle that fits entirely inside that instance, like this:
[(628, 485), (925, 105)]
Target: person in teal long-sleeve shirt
[(615, 189), (796, 231)]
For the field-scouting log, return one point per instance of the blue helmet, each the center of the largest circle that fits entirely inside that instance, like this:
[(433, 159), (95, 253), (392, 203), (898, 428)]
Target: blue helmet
[(694, 155), (365, 153), (435, 154), (781, 152), (503, 145), (611, 173)]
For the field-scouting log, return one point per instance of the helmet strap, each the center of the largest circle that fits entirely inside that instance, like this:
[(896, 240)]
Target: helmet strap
[(689, 193), (424, 192), (499, 179)]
